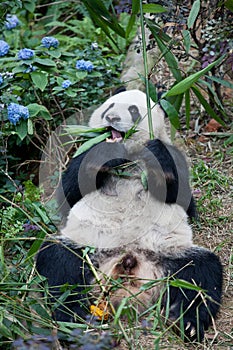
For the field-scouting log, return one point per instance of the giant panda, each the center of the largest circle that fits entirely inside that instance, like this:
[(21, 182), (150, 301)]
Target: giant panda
[(129, 221)]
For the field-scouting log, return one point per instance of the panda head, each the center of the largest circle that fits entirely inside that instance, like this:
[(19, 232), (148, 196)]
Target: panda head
[(125, 110)]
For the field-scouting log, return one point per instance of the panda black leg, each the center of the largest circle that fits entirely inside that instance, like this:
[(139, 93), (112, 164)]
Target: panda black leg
[(168, 175), (202, 268), (66, 273)]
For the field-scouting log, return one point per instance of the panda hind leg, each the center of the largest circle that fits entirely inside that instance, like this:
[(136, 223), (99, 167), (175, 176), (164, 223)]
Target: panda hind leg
[(194, 309), (66, 272)]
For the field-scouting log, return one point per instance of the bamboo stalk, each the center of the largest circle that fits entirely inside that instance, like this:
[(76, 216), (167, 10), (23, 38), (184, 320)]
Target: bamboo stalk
[(150, 123)]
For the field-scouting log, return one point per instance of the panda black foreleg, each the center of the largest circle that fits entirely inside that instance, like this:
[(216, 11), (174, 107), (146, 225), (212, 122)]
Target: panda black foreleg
[(201, 268), (168, 175), (67, 273), (88, 172)]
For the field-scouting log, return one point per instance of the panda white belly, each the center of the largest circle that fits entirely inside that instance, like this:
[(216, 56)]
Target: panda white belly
[(128, 216)]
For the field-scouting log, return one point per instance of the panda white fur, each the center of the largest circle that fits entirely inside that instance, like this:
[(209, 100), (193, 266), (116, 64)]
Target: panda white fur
[(139, 234)]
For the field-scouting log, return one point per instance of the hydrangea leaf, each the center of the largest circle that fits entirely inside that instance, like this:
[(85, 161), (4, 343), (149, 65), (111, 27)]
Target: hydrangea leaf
[(39, 79)]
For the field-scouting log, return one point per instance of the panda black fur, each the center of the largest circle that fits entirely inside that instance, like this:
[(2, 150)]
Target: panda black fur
[(139, 235)]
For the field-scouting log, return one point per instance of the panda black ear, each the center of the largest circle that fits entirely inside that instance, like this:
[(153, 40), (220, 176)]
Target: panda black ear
[(119, 89)]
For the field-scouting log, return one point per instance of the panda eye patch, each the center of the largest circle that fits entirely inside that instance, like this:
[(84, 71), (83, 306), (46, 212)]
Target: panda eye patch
[(109, 107), (134, 111)]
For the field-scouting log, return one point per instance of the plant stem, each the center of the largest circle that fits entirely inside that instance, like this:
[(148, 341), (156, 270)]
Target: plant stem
[(151, 132)]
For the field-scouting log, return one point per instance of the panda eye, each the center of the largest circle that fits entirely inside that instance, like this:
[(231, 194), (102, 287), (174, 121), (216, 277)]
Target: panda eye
[(134, 111)]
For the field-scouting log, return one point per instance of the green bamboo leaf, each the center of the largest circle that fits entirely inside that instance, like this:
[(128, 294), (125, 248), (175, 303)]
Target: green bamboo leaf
[(193, 13), (103, 17), (222, 82), (187, 107), (187, 83), (39, 79), (187, 40), (135, 6), (184, 284), (206, 105), (169, 57), (171, 112), (119, 310), (88, 144), (153, 8)]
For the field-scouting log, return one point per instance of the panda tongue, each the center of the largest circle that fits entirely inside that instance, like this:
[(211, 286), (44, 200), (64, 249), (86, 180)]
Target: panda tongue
[(116, 135)]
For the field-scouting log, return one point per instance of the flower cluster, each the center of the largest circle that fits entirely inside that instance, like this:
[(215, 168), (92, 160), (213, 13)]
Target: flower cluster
[(11, 22), (16, 112), (1, 80), (4, 48), (84, 65), (25, 54), (49, 41), (30, 227), (66, 84)]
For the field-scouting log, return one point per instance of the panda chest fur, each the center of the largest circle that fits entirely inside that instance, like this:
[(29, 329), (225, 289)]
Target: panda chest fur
[(123, 213)]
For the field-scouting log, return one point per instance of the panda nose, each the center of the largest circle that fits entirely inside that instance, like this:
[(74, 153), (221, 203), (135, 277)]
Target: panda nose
[(112, 118)]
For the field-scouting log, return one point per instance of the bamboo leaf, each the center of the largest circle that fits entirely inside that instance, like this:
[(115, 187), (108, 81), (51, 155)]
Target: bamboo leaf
[(187, 40), (222, 82), (206, 105), (187, 107), (169, 57), (153, 8), (193, 13), (171, 112), (187, 83), (88, 144)]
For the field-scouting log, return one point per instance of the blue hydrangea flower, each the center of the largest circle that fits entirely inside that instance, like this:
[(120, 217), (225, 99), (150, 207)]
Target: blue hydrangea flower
[(16, 112), (11, 22), (49, 41), (66, 84), (84, 65), (25, 54), (4, 48), (1, 79)]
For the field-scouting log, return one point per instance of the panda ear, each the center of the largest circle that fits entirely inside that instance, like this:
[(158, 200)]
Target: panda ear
[(119, 90)]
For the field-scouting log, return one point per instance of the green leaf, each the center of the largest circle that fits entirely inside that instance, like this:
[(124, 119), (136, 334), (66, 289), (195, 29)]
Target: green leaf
[(193, 13), (187, 40), (39, 79), (88, 144), (55, 53), (222, 82), (22, 129), (184, 284), (171, 112), (70, 93), (35, 108), (29, 6), (81, 75), (153, 8), (206, 105), (187, 83), (153, 92), (169, 57), (103, 17), (30, 127), (45, 62), (229, 5), (36, 245), (187, 107)]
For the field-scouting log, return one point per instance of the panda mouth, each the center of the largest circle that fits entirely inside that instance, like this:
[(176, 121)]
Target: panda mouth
[(116, 135)]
